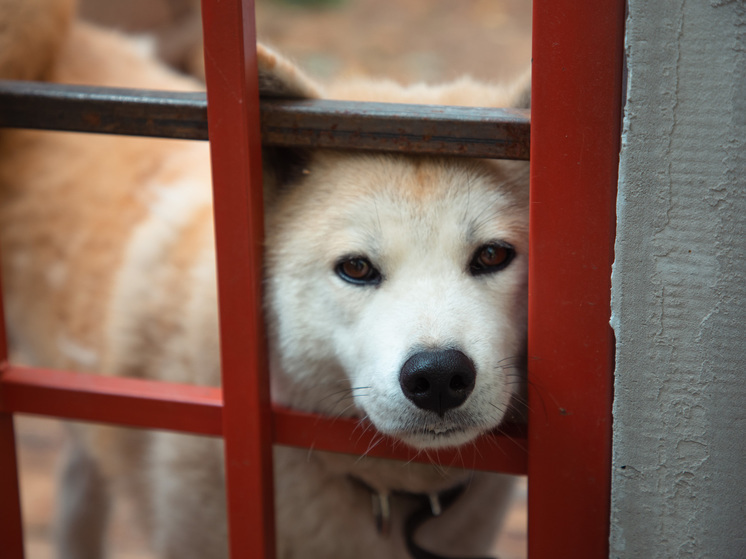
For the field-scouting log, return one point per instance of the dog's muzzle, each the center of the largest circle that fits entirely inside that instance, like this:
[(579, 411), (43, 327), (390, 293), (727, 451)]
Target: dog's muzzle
[(438, 380)]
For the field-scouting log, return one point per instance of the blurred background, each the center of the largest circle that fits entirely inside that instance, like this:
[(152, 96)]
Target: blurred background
[(405, 40)]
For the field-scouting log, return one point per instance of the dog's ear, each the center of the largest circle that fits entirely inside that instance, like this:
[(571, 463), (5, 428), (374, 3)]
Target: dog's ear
[(280, 78)]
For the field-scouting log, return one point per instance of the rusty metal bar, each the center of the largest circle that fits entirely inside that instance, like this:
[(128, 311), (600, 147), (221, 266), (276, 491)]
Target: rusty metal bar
[(75, 108), (424, 129)]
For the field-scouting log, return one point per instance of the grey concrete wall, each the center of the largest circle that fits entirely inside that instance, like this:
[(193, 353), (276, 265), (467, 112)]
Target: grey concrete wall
[(679, 285)]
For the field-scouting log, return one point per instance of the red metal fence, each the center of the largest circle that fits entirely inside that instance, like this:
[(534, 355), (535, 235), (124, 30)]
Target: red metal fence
[(575, 138), (575, 130)]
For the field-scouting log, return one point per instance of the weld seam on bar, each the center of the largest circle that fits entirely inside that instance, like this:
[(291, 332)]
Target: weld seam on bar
[(423, 129)]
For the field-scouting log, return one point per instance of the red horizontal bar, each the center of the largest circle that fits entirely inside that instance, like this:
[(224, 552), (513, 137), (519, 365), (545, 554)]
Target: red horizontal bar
[(198, 409), (103, 399), (504, 452)]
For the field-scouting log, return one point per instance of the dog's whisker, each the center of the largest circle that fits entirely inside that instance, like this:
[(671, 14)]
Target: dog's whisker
[(366, 427), (374, 442), (350, 391), (341, 414), (513, 440), (345, 397), (494, 443)]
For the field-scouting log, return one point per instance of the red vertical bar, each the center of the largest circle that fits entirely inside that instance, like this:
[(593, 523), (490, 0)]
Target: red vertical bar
[(233, 125), (575, 135), (11, 523)]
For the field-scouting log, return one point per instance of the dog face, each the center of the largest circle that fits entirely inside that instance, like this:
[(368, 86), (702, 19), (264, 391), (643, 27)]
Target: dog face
[(396, 285), (397, 292)]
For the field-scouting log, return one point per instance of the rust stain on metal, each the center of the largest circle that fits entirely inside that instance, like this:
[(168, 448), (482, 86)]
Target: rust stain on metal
[(435, 130), (92, 119)]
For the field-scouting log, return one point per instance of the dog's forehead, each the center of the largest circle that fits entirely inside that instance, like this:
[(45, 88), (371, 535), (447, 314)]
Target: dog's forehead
[(424, 183), (454, 196), (378, 204)]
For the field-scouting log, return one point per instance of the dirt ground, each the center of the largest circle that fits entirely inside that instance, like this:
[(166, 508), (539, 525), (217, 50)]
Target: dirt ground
[(406, 40)]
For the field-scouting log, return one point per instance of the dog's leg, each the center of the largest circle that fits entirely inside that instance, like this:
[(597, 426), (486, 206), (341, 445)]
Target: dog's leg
[(188, 497), (82, 507)]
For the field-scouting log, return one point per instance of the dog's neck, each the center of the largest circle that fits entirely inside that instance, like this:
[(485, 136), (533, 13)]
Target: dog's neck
[(428, 506)]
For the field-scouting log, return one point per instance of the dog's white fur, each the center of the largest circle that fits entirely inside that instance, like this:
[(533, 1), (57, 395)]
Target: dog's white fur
[(109, 267)]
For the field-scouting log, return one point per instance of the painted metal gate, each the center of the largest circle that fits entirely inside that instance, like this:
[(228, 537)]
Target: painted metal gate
[(575, 130)]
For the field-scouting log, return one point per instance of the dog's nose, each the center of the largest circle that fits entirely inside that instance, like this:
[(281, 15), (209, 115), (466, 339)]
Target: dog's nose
[(438, 380)]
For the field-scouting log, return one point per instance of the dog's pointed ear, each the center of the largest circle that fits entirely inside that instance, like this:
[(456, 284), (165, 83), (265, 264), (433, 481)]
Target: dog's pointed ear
[(280, 78)]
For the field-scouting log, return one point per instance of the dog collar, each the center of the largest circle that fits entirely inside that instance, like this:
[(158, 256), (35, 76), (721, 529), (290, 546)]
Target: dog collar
[(430, 505)]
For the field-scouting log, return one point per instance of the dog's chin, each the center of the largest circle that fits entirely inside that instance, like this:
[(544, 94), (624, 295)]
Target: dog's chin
[(433, 438)]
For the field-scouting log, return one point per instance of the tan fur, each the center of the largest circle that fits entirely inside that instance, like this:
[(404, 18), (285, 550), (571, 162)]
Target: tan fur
[(108, 266), (465, 92), (28, 45)]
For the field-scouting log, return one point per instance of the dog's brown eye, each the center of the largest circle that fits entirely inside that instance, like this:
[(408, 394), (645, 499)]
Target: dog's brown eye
[(492, 255), (490, 258), (358, 270)]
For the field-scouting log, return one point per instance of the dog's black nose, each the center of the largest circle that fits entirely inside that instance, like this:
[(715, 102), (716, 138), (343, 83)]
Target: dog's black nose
[(438, 380)]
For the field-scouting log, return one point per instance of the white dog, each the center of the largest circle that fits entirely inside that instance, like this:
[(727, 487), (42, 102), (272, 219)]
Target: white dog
[(395, 291)]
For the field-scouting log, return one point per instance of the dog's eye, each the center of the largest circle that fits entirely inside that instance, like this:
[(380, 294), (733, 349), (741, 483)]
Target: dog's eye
[(358, 270), (490, 258)]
